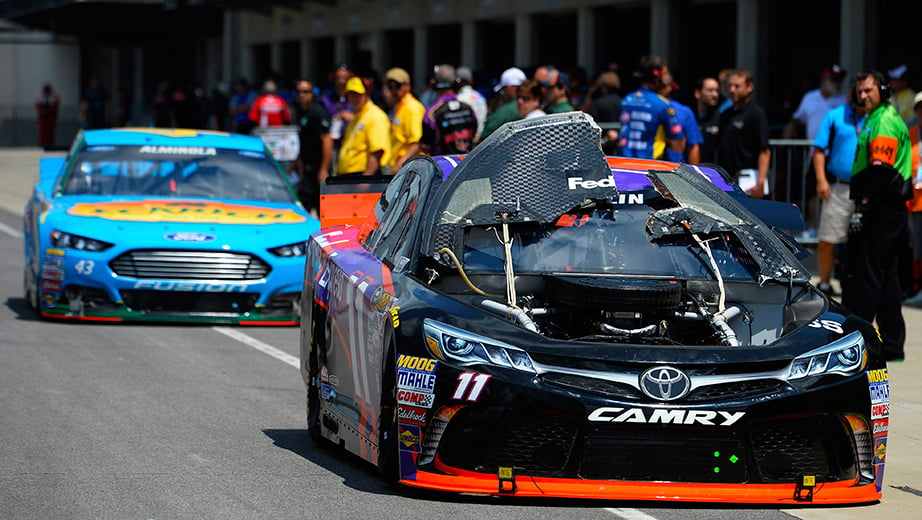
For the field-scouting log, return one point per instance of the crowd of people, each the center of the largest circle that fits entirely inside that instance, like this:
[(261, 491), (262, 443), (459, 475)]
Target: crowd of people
[(866, 139)]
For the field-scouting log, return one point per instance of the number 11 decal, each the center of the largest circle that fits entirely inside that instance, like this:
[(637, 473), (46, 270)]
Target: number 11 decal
[(473, 381)]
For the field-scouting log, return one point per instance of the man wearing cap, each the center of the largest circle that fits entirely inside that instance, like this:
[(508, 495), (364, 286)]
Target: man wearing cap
[(366, 139), (833, 157), (902, 93), (648, 120), (407, 119), (880, 185), (469, 95), (450, 124), (816, 103), (508, 111), (556, 93), (270, 109)]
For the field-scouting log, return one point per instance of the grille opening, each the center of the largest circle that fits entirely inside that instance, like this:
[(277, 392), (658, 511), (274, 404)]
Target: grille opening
[(162, 264), (786, 447), (166, 302), (645, 453)]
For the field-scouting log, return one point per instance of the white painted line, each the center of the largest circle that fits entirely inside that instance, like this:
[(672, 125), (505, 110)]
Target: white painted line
[(10, 231), (259, 345), (629, 514), (623, 513)]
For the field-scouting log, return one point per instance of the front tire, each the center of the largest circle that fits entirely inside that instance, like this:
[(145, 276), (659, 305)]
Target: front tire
[(388, 455), (318, 345)]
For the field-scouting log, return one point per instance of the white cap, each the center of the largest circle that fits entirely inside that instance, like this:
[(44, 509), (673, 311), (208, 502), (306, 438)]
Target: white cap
[(512, 77)]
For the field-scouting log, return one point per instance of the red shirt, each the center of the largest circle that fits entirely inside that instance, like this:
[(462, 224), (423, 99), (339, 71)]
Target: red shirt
[(270, 110)]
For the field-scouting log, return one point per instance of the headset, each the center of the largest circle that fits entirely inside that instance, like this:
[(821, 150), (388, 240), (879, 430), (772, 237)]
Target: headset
[(651, 70), (883, 86), (338, 67)]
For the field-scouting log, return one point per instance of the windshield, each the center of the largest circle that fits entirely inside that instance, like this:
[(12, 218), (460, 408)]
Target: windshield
[(605, 241), (177, 171)]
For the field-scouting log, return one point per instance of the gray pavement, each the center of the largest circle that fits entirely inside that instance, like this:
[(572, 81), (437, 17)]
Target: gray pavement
[(902, 494)]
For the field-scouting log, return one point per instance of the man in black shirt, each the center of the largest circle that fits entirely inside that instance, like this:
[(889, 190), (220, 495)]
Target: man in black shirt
[(313, 162), (743, 140), (707, 97)]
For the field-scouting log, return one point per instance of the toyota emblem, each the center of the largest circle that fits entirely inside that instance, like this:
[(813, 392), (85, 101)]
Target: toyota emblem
[(665, 383)]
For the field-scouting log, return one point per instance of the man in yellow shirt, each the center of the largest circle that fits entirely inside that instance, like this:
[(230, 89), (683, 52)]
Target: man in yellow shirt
[(366, 140), (407, 121)]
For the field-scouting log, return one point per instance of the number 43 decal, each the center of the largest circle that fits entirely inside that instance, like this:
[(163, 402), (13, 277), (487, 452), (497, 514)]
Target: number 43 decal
[(470, 384)]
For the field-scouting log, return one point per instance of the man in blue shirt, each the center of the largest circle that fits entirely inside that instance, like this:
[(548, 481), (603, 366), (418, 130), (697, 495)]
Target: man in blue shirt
[(833, 157), (689, 122), (648, 121)]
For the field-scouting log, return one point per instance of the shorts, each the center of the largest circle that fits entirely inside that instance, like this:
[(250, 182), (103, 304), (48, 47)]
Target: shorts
[(835, 215)]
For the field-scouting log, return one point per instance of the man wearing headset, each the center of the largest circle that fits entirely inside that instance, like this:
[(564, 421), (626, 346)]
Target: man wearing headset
[(879, 235), (648, 121)]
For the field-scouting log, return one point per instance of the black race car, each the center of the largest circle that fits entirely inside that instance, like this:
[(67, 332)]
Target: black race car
[(538, 319)]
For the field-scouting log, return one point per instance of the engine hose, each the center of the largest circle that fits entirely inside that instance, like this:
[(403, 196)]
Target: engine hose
[(520, 316), (464, 277)]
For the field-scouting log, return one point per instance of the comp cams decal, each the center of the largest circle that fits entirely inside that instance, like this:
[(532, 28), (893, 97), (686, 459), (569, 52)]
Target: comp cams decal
[(612, 414), (413, 398)]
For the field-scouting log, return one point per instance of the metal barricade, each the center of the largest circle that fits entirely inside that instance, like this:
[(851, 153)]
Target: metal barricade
[(791, 180)]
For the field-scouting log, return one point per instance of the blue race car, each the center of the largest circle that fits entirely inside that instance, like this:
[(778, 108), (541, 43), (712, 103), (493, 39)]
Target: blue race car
[(147, 224)]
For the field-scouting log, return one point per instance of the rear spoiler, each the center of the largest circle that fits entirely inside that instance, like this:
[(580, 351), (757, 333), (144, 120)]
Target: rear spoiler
[(349, 199)]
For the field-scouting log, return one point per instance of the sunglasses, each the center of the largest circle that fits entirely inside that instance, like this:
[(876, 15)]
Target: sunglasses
[(524, 99), (305, 91), (393, 85)]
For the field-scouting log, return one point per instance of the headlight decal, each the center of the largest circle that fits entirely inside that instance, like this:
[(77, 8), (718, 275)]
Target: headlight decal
[(290, 250), (450, 343), (844, 356), (62, 240)]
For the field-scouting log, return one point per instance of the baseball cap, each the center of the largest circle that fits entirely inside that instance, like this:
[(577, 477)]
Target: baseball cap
[(465, 74), (557, 78), (512, 77), (835, 72), (917, 99), (445, 76), (898, 72), (399, 75), (355, 85)]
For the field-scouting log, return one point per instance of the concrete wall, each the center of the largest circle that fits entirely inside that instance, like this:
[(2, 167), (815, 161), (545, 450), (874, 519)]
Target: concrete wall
[(28, 60)]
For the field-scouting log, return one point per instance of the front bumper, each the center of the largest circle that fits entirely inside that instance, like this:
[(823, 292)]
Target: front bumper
[(69, 290), (527, 439)]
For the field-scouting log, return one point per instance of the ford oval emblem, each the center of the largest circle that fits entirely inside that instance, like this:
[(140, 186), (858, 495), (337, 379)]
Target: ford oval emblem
[(665, 383), (189, 236)]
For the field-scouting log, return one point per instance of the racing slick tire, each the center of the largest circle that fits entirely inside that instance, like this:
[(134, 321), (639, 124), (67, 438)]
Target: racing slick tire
[(388, 456), (318, 342), (31, 296)]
